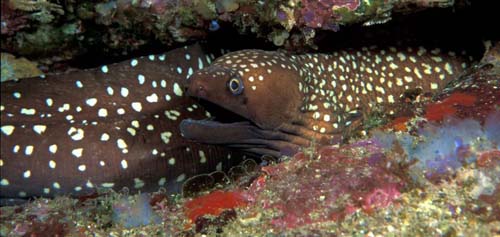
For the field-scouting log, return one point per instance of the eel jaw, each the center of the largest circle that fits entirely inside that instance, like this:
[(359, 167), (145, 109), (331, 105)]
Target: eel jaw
[(230, 129), (242, 135)]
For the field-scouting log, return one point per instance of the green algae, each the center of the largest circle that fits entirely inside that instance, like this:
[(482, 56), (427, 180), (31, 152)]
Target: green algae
[(205, 8), (46, 38), (365, 10), (16, 68), (38, 5), (187, 16)]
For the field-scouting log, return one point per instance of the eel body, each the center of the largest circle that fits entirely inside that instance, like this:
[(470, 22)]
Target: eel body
[(111, 127), (292, 100)]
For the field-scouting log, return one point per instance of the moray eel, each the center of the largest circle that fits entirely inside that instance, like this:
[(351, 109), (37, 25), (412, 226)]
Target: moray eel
[(111, 127), (293, 100)]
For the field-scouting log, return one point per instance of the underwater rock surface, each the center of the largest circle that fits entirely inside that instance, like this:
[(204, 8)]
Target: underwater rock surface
[(63, 30), (327, 186)]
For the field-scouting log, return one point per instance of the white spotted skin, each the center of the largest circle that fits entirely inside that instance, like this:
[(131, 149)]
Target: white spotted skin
[(71, 145), (284, 91), (369, 77)]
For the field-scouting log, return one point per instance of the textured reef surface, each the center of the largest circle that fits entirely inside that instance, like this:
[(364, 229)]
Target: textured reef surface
[(62, 30), (433, 173)]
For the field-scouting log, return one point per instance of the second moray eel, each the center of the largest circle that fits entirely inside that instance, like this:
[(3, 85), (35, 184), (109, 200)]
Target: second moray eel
[(110, 127)]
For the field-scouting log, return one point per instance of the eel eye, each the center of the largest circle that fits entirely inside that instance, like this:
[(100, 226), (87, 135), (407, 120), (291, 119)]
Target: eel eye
[(235, 85)]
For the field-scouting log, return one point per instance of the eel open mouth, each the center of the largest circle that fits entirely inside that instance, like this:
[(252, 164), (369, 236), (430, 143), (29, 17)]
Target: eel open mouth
[(232, 130)]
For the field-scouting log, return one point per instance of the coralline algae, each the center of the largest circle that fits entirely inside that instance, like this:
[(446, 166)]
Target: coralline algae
[(327, 186)]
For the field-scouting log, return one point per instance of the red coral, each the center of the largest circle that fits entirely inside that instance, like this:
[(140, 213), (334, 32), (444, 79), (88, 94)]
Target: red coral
[(213, 204), (474, 96), (488, 158), (399, 123), (448, 107)]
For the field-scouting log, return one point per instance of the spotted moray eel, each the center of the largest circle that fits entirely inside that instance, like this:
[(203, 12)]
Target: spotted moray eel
[(291, 100), (111, 127)]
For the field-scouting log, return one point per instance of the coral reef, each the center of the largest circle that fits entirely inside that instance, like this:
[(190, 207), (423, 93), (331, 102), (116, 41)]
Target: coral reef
[(446, 173), (357, 189), (58, 31), (327, 186), (94, 215), (439, 150)]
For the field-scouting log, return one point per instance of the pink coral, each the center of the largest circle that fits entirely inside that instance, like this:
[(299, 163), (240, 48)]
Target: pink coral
[(381, 197), (333, 183), (319, 14)]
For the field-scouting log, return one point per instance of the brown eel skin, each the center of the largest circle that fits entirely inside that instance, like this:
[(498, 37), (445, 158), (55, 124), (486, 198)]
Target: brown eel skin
[(111, 127), (291, 100)]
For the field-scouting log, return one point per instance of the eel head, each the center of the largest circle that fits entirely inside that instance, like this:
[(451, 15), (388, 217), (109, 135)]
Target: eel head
[(263, 90)]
